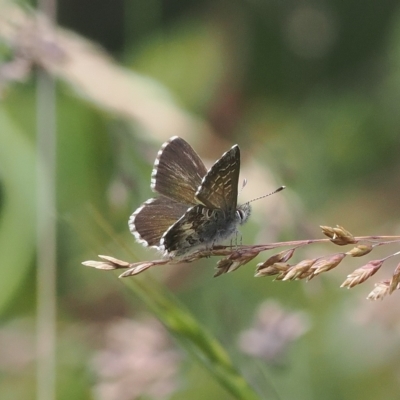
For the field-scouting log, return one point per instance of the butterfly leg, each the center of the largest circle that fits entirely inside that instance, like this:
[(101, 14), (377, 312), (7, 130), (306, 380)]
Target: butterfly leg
[(237, 233)]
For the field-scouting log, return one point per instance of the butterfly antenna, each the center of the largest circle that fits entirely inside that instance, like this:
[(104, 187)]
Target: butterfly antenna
[(243, 184), (269, 194)]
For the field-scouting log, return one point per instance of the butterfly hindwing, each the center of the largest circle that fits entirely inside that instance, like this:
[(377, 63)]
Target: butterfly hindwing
[(150, 221)]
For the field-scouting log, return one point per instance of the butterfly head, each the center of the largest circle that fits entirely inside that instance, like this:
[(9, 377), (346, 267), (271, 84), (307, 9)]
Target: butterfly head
[(243, 213)]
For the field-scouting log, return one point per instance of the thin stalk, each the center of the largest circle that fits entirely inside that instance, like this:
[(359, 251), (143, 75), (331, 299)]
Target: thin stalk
[(46, 238)]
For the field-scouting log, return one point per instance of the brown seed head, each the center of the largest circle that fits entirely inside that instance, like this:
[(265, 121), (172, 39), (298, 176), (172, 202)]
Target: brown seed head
[(139, 267), (109, 263), (360, 275), (360, 250), (234, 261), (380, 291), (274, 269), (299, 269), (338, 235), (281, 257), (326, 264), (327, 231), (394, 282)]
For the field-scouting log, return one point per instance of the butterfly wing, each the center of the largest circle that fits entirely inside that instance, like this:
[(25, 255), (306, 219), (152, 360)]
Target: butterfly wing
[(153, 218), (186, 233), (219, 187), (178, 171), (199, 227)]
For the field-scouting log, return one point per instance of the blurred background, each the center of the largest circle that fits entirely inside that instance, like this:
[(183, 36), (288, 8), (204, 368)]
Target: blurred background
[(310, 92)]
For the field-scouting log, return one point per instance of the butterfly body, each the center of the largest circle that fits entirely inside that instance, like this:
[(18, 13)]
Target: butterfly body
[(199, 228), (196, 208)]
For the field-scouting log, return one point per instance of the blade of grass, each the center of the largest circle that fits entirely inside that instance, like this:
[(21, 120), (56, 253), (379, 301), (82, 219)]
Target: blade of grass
[(198, 342)]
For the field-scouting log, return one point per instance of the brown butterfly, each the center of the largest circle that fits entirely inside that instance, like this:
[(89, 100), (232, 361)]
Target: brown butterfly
[(195, 208)]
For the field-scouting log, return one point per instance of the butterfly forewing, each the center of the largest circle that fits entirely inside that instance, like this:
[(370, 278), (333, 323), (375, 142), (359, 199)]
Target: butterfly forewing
[(219, 187), (178, 171), (150, 221)]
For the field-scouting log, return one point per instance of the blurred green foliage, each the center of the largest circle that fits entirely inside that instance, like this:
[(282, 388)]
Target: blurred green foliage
[(309, 91)]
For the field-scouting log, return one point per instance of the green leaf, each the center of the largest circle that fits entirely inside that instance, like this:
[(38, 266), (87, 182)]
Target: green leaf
[(18, 207)]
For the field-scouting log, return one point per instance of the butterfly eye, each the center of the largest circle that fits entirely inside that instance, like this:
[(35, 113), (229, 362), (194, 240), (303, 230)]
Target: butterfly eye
[(241, 214)]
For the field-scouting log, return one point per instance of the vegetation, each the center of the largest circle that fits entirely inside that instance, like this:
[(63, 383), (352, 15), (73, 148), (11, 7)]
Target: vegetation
[(310, 94)]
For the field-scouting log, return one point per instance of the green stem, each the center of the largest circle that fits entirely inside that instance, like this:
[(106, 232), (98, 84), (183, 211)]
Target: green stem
[(195, 339)]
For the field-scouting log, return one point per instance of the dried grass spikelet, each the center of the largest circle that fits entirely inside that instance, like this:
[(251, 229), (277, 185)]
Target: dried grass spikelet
[(234, 260), (380, 291), (338, 235), (111, 263), (360, 250), (327, 263), (280, 257), (278, 268), (395, 281), (300, 269), (360, 275), (275, 265)]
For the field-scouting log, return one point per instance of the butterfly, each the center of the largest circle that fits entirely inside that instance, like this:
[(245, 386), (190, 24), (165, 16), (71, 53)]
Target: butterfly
[(196, 208)]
